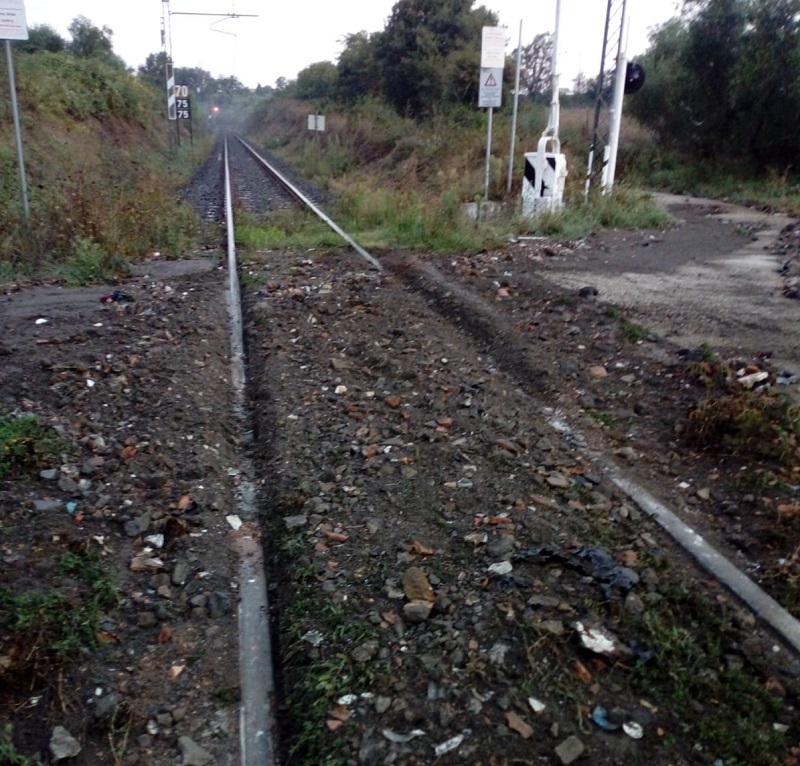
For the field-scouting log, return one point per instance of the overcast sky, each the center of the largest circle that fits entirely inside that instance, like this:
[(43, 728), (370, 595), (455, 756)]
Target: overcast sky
[(288, 35)]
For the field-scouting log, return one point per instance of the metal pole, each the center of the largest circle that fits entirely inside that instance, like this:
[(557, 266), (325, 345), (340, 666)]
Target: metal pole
[(488, 157), (18, 133), (616, 107), (598, 105), (514, 117), (554, 119)]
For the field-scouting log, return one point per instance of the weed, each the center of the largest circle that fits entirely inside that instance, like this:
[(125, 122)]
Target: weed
[(633, 332), (707, 351), (8, 753), (90, 265), (45, 629), (606, 418), (26, 445), (748, 424)]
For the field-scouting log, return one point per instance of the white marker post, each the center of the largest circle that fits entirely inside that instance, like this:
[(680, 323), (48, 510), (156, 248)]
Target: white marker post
[(14, 27), (546, 171), (490, 95)]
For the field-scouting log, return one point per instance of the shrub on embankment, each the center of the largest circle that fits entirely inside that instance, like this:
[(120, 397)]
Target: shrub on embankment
[(95, 143)]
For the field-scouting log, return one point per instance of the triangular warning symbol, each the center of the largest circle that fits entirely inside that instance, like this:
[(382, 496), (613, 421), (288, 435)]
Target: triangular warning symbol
[(490, 81)]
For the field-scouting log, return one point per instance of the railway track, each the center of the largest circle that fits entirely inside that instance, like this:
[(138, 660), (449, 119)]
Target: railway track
[(369, 456)]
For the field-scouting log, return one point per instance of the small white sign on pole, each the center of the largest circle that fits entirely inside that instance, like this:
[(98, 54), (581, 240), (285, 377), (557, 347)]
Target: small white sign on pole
[(490, 93), (316, 122), (12, 20), (493, 48)]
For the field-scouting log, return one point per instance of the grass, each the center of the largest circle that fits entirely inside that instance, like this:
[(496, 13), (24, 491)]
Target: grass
[(45, 629), (8, 753), (401, 184), (630, 331), (623, 209), (606, 418), (27, 444), (689, 674), (102, 183), (90, 265), (672, 173)]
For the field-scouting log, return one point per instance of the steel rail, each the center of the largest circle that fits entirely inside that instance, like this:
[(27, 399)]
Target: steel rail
[(300, 197), (256, 663)]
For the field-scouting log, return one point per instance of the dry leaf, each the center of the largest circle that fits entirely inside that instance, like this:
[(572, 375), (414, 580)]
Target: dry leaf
[(518, 725), (333, 724), (128, 453), (628, 558), (164, 636), (788, 509), (340, 713), (337, 537), (582, 672), (184, 502), (421, 549), (175, 671)]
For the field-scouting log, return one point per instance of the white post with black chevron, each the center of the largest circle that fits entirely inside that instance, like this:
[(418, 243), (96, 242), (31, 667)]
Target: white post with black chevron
[(544, 180)]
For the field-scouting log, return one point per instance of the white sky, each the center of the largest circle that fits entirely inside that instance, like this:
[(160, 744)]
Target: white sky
[(288, 35)]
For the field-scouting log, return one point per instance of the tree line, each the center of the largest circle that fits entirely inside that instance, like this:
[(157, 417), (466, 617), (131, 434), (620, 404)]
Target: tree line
[(88, 41), (723, 83), (722, 77)]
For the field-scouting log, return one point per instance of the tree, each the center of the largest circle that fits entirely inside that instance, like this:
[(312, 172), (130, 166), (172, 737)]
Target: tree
[(414, 48), (722, 82), (89, 41), (317, 81), (154, 69), (42, 37), (357, 69), (536, 66)]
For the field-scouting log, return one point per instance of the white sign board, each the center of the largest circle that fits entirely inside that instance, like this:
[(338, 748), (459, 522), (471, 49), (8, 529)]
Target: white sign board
[(491, 89), (316, 122), (493, 48), (12, 20)]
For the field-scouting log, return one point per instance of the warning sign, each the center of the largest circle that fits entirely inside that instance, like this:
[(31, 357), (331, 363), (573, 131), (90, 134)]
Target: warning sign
[(12, 20), (490, 94), (493, 47)]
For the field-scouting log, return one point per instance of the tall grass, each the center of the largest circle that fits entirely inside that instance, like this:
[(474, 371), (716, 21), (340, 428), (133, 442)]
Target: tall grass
[(102, 178), (402, 184)]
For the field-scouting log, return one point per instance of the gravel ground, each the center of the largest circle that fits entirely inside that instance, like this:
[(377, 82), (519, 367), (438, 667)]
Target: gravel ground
[(453, 579)]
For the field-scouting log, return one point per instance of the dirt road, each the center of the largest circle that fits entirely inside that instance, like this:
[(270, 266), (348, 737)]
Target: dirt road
[(711, 279)]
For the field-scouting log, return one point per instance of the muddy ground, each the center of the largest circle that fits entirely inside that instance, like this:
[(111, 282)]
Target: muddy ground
[(452, 578)]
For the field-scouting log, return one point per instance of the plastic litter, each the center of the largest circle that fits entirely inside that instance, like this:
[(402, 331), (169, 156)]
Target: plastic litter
[(448, 746), (401, 739), (595, 640), (633, 729), (313, 637), (116, 296), (600, 717), (501, 568), (536, 705), (751, 380), (601, 565)]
